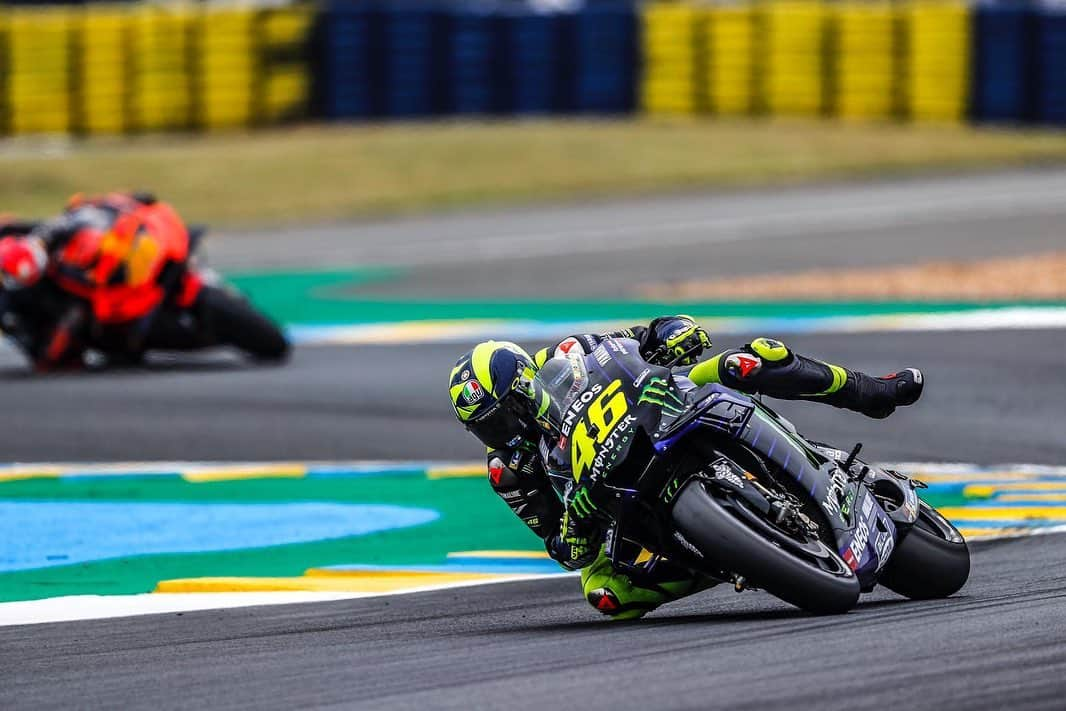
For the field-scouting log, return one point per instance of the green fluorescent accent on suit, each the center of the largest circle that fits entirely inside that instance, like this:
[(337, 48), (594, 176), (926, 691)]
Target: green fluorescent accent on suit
[(545, 401), (840, 377), (706, 372)]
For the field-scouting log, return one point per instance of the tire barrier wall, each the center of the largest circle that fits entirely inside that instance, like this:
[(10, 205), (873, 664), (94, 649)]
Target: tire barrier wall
[(920, 60), (114, 69), (102, 69)]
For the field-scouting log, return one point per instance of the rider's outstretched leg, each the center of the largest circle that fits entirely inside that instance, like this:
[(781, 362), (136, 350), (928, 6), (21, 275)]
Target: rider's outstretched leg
[(770, 367)]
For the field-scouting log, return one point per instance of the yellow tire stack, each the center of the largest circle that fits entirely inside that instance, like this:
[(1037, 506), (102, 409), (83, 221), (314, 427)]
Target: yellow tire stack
[(938, 60), (284, 49), (161, 91), (794, 80), (226, 68), (729, 33), (669, 82), (38, 62), (866, 61), (102, 74)]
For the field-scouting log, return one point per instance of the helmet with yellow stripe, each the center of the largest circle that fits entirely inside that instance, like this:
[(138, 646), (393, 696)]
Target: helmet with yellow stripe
[(495, 396)]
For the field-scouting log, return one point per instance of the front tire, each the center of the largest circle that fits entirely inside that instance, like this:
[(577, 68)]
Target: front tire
[(932, 561), (734, 544), (235, 322)]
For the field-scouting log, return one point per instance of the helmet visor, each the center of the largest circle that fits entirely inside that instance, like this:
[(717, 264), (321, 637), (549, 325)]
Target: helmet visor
[(509, 421)]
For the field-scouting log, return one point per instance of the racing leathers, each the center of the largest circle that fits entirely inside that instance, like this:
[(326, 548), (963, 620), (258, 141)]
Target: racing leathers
[(574, 536)]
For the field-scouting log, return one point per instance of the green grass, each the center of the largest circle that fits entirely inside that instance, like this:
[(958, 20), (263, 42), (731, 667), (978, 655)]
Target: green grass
[(333, 172)]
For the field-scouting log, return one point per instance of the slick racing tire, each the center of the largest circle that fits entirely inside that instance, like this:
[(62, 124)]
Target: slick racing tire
[(932, 560), (819, 582), (236, 323)]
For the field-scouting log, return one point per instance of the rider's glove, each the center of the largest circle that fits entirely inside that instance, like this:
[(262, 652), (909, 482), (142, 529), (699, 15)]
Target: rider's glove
[(578, 542), (675, 340)]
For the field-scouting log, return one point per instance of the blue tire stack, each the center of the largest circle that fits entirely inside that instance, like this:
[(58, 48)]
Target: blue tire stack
[(472, 62), (1003, 63), (605, 58), (1051, 66), (414, 51), (534, 64), (350, 80)]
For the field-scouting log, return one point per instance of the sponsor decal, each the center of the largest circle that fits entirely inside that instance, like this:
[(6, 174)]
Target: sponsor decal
[(883, 545), (686, 545), (576, 407), (910, 504), (617, 439), (473, 392), (495, 471), (601, 355), (516, 458), (658, 392), (849, 499), (640, 378), (867, 505), (566, 346), (508, 495), (616, 347), (724, 470), (465, 375), (671, 489), (742, 365), (835, 491), (857, 549)]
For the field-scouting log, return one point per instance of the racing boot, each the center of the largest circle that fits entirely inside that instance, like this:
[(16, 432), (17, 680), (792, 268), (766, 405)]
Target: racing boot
[(909, 384), (769, 367), (621, 598), (878, 397)]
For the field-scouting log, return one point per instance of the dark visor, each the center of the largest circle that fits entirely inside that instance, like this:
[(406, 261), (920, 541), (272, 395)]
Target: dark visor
[(509, 418)]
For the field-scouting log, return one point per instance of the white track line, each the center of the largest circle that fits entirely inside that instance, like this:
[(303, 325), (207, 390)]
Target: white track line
[(95, 607)]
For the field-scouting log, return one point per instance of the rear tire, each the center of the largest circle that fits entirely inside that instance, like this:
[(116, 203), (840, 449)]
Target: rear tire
[(728, 541), (236, 322), (926, 565)]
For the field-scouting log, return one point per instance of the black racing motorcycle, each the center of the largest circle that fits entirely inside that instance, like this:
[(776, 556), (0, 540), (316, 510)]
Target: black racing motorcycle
[(715, 480)]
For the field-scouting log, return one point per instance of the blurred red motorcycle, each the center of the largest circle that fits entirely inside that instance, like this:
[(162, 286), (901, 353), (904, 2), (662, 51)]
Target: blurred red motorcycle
[(117, 276)]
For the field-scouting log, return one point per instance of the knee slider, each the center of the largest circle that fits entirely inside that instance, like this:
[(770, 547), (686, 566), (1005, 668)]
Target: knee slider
[(604, 600), (501, 476), (770, 350)]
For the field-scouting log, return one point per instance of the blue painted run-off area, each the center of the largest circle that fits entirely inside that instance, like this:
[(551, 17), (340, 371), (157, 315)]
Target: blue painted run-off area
[(39, 534)]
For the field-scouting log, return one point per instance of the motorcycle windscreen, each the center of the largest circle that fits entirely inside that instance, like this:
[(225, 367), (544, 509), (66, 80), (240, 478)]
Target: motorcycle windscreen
[(598, 422)]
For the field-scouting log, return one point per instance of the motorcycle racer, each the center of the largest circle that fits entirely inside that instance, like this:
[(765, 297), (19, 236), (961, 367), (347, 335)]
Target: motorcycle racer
[(495, 397), (110, 271)]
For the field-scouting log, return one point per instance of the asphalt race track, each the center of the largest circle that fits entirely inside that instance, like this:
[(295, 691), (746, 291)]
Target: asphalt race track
[(992, 397), (537, 645)]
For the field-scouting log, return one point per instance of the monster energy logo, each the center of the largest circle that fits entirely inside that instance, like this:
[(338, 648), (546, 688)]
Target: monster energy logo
[(657, 392), (671, 489)]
